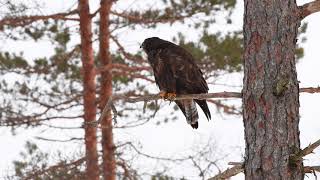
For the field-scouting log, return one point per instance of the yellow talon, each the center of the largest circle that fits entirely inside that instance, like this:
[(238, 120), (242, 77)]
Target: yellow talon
[(171, 96), (168, 96), (163, 94)]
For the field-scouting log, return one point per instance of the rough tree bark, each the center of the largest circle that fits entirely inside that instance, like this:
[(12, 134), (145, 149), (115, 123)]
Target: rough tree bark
[(108, 155), (89, 94), (271, 90)]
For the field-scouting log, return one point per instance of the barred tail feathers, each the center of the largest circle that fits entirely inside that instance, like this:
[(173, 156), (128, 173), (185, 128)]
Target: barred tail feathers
[(189, 109), (204, 106)]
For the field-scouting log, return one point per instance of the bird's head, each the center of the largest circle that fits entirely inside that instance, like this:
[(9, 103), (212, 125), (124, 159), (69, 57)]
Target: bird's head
[(152, 43)]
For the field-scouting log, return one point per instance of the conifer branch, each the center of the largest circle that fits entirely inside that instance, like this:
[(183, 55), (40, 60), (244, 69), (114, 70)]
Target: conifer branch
[(26, 20), (73, 164)]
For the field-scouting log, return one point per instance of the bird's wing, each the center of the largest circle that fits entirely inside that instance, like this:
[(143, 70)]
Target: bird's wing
[(162, 71), (183, 68), (188, 76)]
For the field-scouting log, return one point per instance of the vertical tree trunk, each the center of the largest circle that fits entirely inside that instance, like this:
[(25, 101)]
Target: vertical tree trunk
[(271, 90), (89, 95), (108, 155)]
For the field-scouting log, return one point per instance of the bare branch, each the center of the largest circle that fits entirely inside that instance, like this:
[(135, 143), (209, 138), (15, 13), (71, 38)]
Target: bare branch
[(95, 13), (181, 97), (58, 140), (26, 20), (228, 109), (235, 163), (123, 67), (60, 127), (125, 53), (238, 168), (156, 97), (311, 169), (156, 157), (309, 8), (228, 173), (141, 20), (132, 75), (310, 90), (305, 151)]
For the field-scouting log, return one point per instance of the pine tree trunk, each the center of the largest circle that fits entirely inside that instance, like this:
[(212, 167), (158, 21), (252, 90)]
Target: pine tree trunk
[(89, 94), (271, 90), (108, 155)]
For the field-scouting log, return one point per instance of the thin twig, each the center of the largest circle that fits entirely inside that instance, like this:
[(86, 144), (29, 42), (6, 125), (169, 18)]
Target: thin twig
[(235, 163), (228, 173), (57, 140), (141, 20)]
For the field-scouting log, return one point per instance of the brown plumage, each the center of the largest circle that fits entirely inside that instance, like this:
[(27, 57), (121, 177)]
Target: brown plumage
[(176, 72)]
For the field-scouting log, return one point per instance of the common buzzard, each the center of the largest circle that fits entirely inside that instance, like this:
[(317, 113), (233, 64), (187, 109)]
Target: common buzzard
[(176, 72)]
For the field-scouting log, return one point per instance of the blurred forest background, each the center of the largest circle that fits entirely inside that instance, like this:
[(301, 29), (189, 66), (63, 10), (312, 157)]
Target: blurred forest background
[(61, 61)]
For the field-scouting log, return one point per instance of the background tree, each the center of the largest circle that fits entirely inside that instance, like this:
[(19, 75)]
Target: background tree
[(271, 90), (55, 88), (45, 91), (109, 162), (89, 90)]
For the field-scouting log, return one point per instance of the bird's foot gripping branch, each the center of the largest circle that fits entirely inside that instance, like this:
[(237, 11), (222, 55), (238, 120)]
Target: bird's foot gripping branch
[(167, 96)]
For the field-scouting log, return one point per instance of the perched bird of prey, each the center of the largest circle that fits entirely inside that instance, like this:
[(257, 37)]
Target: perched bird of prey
[(176, 72)]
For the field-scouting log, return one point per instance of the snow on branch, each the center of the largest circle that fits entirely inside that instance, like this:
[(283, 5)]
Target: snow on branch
[(309, 8)]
